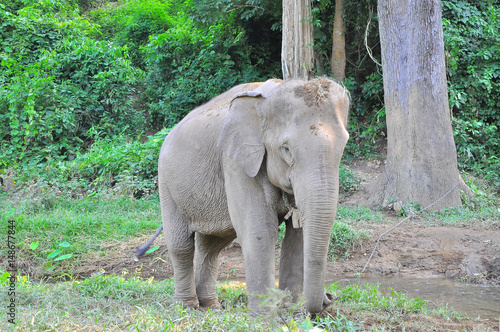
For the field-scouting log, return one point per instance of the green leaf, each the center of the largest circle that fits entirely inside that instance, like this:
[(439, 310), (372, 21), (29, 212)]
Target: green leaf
[(152, 249), (34, 245), (4, 277), (64, 244), (306, 325), (54, 253), (63, 257)]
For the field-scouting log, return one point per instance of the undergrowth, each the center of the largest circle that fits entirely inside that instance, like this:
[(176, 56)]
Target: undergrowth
[(111, 303)]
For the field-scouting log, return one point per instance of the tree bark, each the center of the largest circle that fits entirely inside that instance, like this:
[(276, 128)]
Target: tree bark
[(421, 154), (338, 48), (297, 51)]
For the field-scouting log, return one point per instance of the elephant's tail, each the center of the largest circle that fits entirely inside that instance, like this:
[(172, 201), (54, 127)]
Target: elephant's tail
[(145, 247)]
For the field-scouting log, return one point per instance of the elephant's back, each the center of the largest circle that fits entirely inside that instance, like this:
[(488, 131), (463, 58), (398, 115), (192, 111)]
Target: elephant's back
[(190, 166)]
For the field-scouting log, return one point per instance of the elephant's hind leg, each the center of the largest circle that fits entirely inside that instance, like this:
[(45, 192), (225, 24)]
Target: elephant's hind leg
[(180, 244), (208, 248)]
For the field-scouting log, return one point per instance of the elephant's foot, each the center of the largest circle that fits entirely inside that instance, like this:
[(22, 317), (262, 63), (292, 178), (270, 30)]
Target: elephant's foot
[(327, 299), (191, 302), (211, 303)]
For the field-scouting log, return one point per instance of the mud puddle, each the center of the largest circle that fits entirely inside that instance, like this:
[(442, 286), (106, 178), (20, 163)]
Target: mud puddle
[(473, 300)]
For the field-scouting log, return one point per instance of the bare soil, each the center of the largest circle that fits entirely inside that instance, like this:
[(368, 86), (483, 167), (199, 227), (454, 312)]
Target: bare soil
[(414, 249)]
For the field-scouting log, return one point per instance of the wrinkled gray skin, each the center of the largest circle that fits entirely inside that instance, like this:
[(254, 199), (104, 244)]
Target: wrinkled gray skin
[(223, 171)]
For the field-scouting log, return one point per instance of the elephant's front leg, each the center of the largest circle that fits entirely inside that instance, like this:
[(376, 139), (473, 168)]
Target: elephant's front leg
[(292, 261), (256, 225), (258, 242)]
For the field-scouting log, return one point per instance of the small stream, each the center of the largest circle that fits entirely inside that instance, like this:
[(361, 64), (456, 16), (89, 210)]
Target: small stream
[(470, 299)]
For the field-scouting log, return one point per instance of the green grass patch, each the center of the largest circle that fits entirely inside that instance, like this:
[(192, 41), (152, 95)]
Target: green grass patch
[(358, 214), (343, 238), (62, 231), (481, 210), (115, 303)]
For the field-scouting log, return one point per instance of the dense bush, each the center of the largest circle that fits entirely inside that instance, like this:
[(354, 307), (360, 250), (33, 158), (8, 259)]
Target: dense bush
[(131, 23), (57, 83), (472, 41), (187, 66), (121, 164), (137, 65)]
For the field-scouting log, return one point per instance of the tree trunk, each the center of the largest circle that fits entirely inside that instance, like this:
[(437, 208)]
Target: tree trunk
[(338, 48), (421, 155), (297, 51)]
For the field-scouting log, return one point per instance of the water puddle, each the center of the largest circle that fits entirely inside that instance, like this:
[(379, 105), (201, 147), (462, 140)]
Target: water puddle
[(472, 300)]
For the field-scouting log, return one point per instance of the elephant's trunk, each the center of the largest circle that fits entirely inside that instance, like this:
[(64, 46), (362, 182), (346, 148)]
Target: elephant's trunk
[(318, 205)]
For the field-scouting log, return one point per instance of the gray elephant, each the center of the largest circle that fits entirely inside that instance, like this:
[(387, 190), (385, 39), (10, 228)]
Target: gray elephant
[(240, 164)]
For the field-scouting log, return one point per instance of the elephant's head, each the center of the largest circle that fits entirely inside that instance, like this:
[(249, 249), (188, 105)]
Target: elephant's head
[(300, 128)]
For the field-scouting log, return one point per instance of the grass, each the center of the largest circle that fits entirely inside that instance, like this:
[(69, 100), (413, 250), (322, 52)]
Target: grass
[(344, 237), (358, 214), (114, 303), (85, 224)]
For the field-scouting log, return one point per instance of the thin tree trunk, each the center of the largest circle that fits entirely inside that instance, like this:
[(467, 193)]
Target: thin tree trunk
[(297, 51), (338, 48), (421, 155)]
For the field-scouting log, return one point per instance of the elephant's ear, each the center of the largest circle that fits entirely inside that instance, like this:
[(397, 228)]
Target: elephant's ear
[(241, 135)]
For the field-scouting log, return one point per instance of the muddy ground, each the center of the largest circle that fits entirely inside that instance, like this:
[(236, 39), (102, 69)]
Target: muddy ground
[(414, 249)]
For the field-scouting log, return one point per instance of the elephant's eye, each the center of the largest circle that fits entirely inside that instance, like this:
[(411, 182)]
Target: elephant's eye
[(285, 148), (286, 154)]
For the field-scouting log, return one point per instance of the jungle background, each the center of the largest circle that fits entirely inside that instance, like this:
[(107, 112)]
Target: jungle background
[(89, 90)]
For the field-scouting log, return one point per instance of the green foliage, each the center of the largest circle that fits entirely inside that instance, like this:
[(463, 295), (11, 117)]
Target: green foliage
[(231, 296), (478, 147), (339, 323), (130, 23), (358, 214), (87, 223), (347, 180), (117, 287), (472, 36), (369, 297), (343, 238), (126, 166), (187, 66), (57, 83), (472, 42)]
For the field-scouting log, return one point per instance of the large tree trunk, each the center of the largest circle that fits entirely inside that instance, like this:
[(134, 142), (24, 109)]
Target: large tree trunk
[(421, 155), (338, 48), (297, 51)]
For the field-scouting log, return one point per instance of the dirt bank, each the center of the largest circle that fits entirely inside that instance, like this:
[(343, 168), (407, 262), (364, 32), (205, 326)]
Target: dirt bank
[(413, 250)]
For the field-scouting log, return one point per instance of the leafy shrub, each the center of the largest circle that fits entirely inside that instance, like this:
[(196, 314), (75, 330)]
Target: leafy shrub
[(130, 23), (187, 66), (472, 36), (342, 239), (348, 182), (57, 83), (124, 165), (478, 146)]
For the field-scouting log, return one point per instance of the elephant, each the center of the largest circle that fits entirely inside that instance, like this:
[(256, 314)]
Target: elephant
[(236, 167)]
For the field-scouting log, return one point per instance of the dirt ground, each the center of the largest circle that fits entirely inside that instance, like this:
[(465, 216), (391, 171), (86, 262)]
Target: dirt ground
[(414, 249)]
